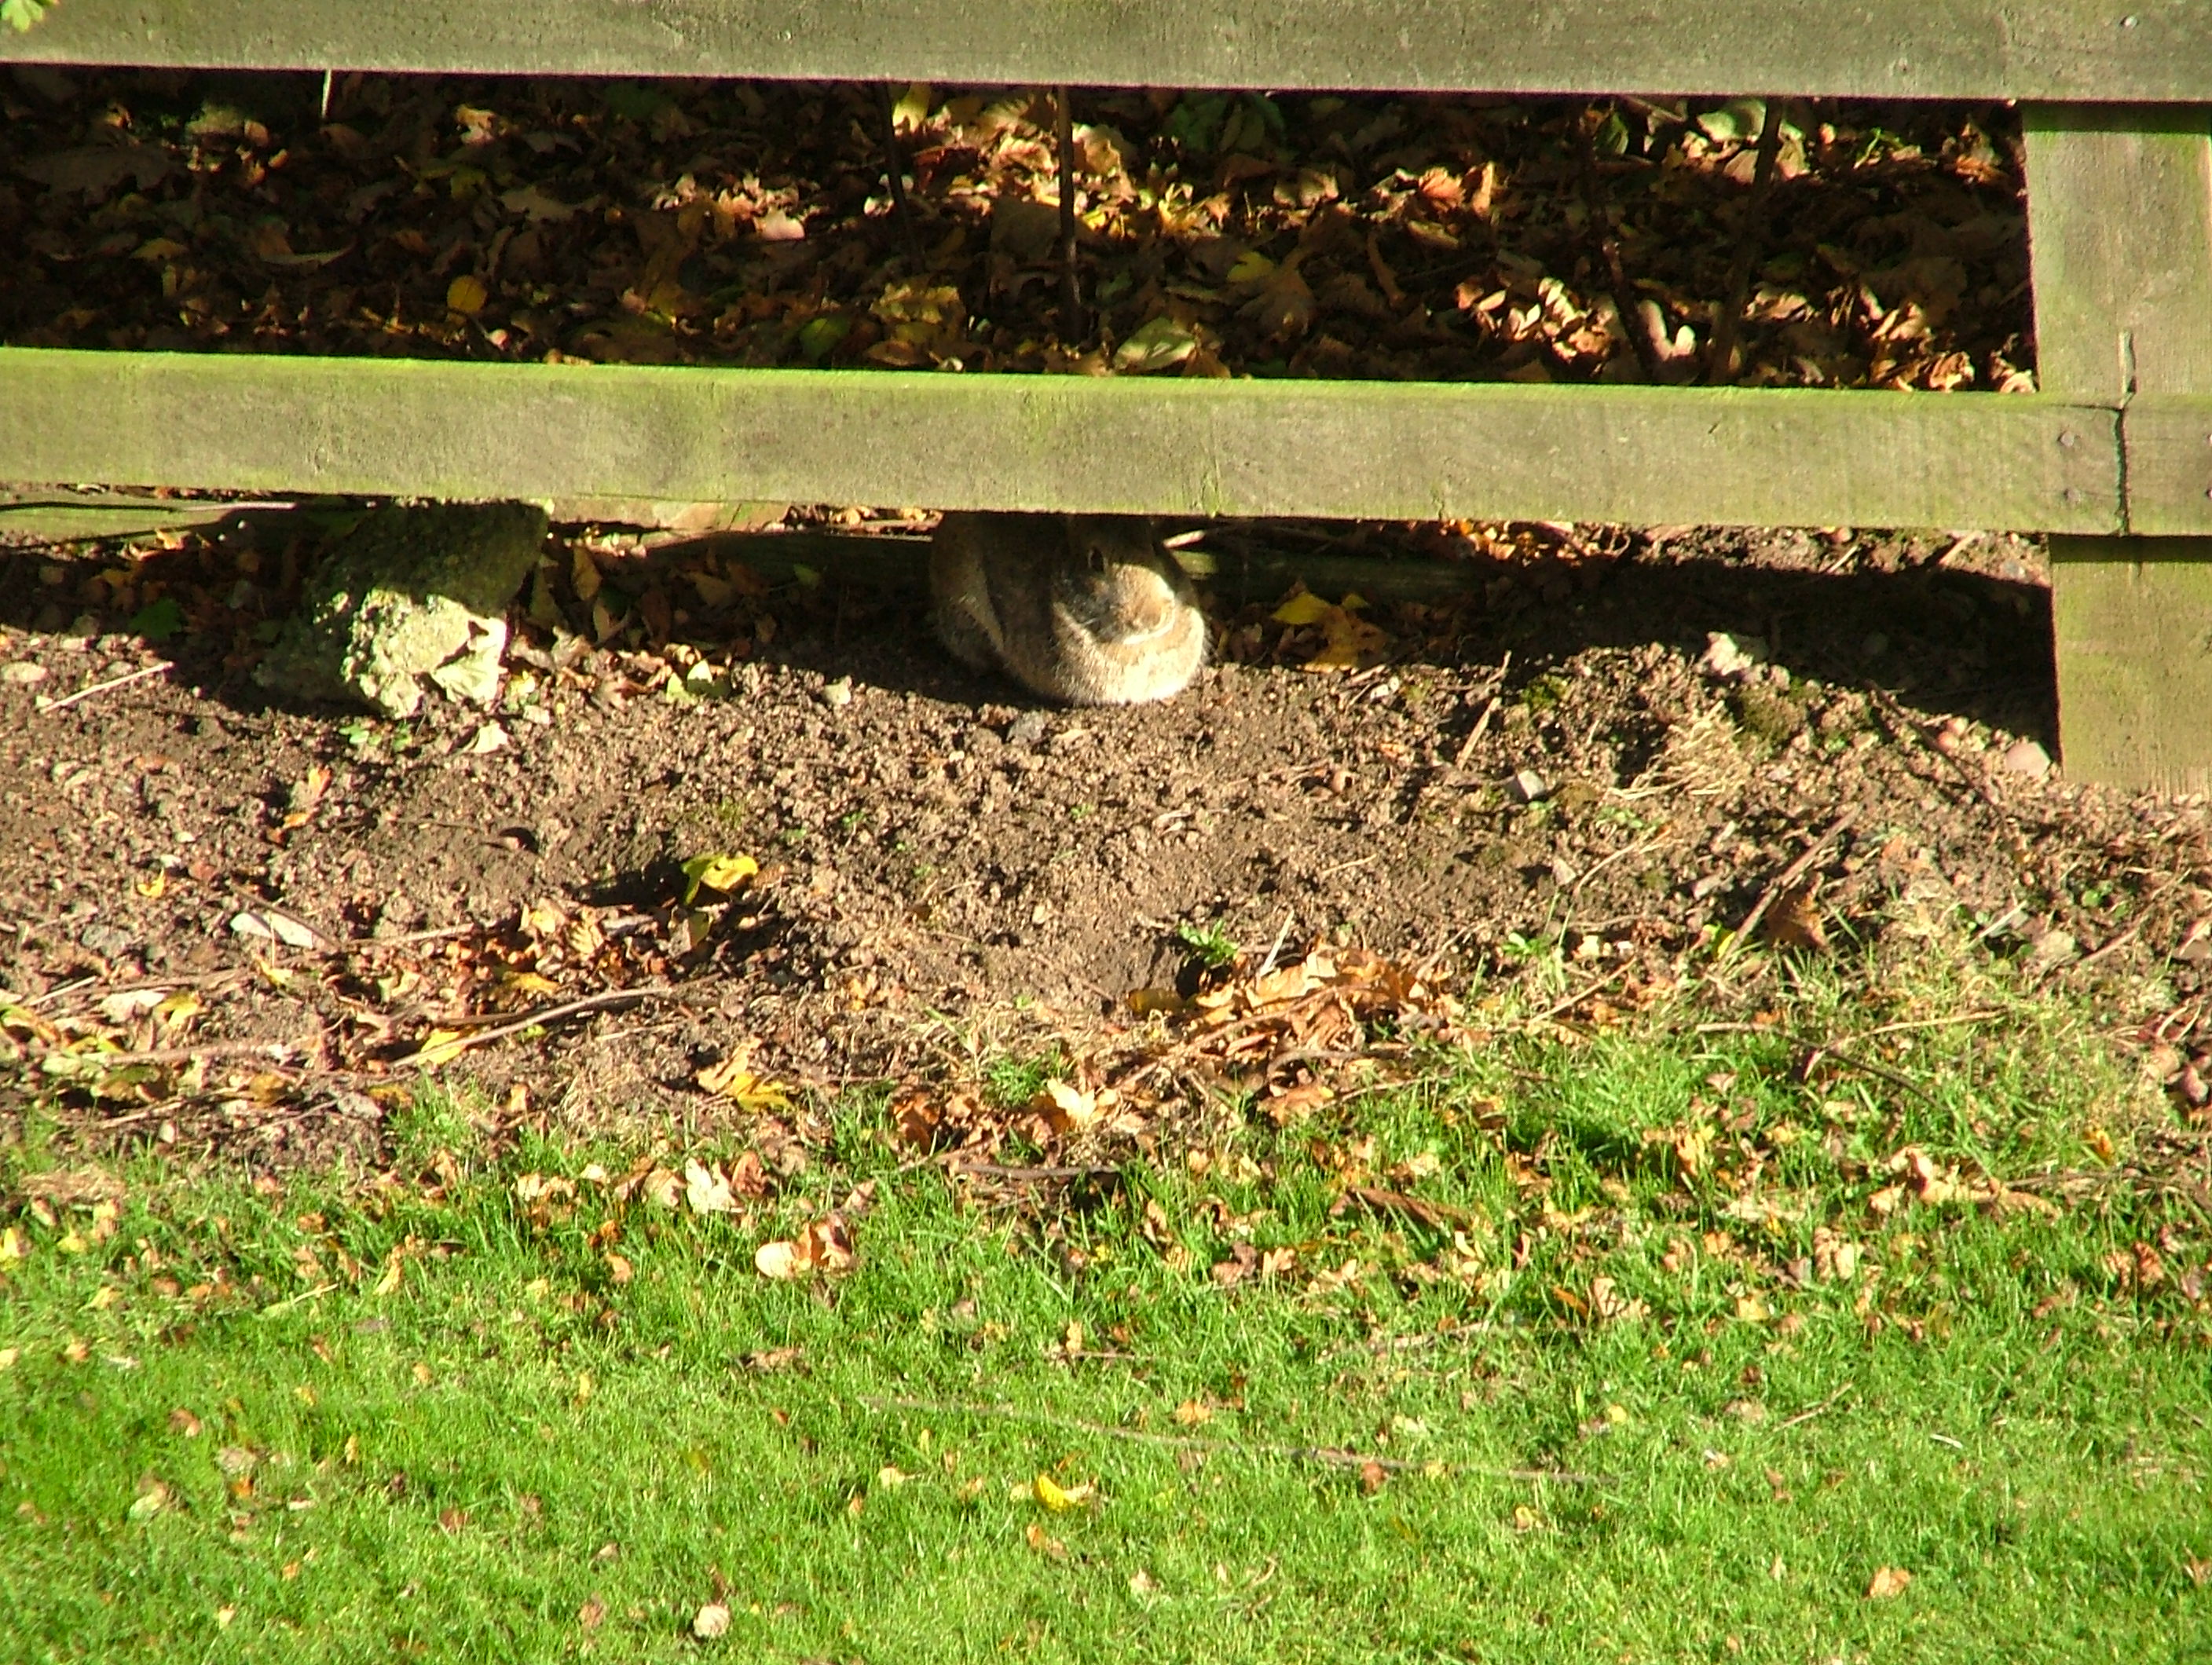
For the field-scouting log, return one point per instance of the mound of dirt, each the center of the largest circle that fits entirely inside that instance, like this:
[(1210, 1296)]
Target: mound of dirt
[(1606, 745)]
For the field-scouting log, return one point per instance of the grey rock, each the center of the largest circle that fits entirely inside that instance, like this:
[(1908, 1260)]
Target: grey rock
[(412, 593)]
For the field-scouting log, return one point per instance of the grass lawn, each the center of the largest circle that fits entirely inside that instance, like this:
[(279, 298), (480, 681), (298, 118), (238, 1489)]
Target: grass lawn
[(1636, 1348)]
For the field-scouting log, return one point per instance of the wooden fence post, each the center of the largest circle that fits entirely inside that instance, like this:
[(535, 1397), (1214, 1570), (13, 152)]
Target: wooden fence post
[(2120, 235)]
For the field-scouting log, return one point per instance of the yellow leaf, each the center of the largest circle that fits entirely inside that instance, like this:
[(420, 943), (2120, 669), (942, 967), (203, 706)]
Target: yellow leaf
[(1251, 266), (583, 573), (389, 1283), (716, 872), (178, 1010), (153, 888), (733, 1078), (466, 295), (442, 1046), (1061, 1500), (1304, 608)]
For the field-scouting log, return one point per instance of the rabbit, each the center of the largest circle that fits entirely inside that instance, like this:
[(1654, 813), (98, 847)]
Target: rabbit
[(1086, 609)]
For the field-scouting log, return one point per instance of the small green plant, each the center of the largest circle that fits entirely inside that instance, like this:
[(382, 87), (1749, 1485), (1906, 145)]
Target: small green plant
[(1209, 945), (1545, 693), (20, 15), (1523, 949)]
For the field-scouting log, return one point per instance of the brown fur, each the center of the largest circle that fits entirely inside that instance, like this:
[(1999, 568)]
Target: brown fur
[(1086, 609)]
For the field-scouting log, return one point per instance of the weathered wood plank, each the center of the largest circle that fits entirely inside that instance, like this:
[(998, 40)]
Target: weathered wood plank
[(2133, 617), (471, 431), (2120, 238), (2138, 50), (60, 514), (2119, 205), (2167, 443)]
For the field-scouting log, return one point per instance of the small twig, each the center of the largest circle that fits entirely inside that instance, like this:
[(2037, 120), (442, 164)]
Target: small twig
[(1609, 246), (1721, 366), (1879, 1070), (207, 1049), (2113, 945), (1783, 880), (1918, 1023), (894, 172), (1022, 1176), (1347, 866), (1070, 289), (49, 707), (1436, 1216), (1482, 722), (1576, 999), (286, 1305), (1821, 1409), (1334, 1457), (439, 935), (1276, 948), (38, 1001), (1620, 855), (611, 1000)]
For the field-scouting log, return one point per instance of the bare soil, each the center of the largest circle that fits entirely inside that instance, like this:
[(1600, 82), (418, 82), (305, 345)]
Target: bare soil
[(1559, 755)]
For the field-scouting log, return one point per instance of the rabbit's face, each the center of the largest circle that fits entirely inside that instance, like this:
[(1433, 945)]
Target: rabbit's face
[(1117, 583)]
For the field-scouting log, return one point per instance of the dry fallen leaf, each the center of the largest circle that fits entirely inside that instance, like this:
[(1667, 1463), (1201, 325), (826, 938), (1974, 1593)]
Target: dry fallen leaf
[(824, 1246), (712, 1622), (1793, 921), (706, 1190), (1886, 1582)]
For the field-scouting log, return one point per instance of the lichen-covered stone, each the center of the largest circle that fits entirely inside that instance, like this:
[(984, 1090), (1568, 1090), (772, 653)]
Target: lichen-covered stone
[(413, 592)]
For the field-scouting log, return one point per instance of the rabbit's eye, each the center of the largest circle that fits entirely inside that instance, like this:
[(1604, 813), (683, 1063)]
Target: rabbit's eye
[(1095, 558)]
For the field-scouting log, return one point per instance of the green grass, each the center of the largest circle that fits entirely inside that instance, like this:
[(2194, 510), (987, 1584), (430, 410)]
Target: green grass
[(1993, 1403)]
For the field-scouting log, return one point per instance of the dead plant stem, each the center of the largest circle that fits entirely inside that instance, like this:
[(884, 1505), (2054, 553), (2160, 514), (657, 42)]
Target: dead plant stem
[(1331, 1455)]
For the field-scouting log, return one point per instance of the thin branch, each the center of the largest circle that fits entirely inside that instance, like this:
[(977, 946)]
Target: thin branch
[(1788, 877), (1334, 1456), (1722, 366), (1821, 1409), (1601, 225), (895, 173), (1071, 288), (1482, 722), (611, 1000), (49, 707)]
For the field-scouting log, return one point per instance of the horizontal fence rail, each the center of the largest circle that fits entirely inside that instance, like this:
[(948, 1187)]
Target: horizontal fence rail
[(1416, 449), (2143, 50)]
